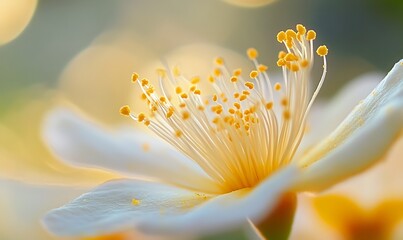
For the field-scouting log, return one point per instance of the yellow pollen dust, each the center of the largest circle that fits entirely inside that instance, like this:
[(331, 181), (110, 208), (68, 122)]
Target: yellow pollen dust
[(234, 79), (249, 85), (252, 53), (219, 61), (135, 77), (262, 68), (311, 35), (237, 72), (301, 29), (281, 36), (277, 86), (322, 51), (135, 201), (125, 110), (253, 74), (195, 80)]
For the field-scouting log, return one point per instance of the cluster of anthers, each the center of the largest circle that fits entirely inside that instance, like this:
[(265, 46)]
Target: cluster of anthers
[(250, 127)]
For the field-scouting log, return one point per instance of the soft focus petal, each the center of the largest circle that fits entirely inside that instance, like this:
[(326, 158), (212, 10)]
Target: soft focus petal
[(337, 210), (163, 209), (325, 117), (362, 149), (110, 208), (81, 142), (389, 89)]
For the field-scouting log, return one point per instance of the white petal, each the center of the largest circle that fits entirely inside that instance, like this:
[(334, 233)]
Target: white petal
[(82, 142), (363, 148), (389, 89), (163, 209), (326, 116), (228, 211)]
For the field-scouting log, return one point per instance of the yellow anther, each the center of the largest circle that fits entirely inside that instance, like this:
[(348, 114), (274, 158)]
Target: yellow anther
[(236, 95), (242, 97), (154, 108), (215, 98), (141, 117), (135, 77), (176, 71), (217, 72), (237, 125), (150, 90), (262, 68), (178, 133), (237, 72), (219, 61), (192, 88), (178, 90), (322, 51), (200, 107), (291, 34), (249, 85), (161, 72), (135, 201), (246, 112), (281, 36), (184, 95), (286, 115), (234, 79), (182, 105), (299, 37), (185, 115), (143, 96), (284, 102), (197, 92), (147, 122), (252, 53), (237, 105), (281, 62), (169, 114), (289, 43), (253, 74), (231, 110), (290, 57), (195, 80), (294, 67), (304, 63), (281, 54), (301, 29), (245, 92), (310, 35), (144, 82), (163, 99), (269, 105), (125, 110), (211, 79), (277, 86)]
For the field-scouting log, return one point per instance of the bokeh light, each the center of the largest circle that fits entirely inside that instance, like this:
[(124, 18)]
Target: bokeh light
[(15, 15)]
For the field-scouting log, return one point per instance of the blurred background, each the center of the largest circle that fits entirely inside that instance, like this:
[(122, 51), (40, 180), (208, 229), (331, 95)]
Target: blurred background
[(82, 53)]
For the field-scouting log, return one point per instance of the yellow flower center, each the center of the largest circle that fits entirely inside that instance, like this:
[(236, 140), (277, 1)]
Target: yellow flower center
[(250, 127)]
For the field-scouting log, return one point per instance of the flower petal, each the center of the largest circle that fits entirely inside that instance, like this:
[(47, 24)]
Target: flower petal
[(84, 143), (363, 148), (326, 116), (124, 204), (229, 210), (389, 89)]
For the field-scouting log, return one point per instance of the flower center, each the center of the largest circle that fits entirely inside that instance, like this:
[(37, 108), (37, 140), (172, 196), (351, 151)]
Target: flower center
[(250, 126)]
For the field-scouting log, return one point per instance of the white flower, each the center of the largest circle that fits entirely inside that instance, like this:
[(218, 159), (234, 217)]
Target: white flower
[(230, 159)]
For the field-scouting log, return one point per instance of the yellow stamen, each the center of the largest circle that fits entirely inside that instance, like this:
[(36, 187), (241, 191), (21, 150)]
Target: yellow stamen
[(125, 110), (252, 53), (135, 77), (322, 51), (253, 74), (311, 35)]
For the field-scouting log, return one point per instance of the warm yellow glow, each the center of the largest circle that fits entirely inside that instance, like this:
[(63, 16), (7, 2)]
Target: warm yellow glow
[(14, 18), (235, 134)]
